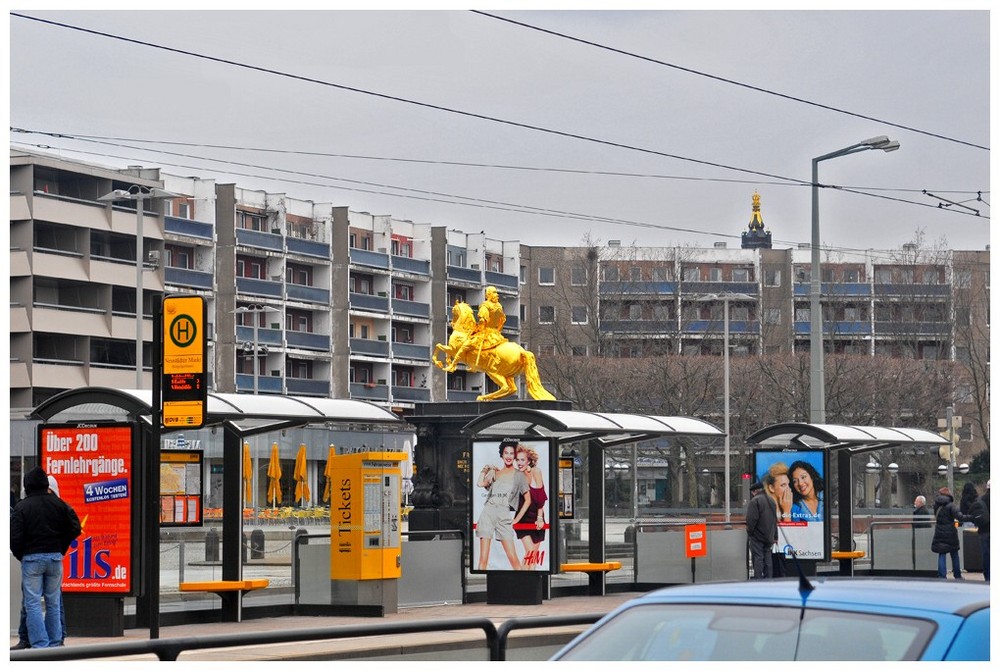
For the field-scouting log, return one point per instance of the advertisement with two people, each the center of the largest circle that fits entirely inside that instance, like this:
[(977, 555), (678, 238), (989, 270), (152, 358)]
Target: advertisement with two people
[(511, 505), (795, 480)]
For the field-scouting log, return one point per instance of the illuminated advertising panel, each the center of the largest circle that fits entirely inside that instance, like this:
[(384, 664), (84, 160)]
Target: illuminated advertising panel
[(512, 505), (796, 480), (181, 474), (93, 465)]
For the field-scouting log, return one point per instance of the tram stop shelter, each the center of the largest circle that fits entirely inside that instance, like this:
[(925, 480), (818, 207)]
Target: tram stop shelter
[(597, 431), (239, 416), (843, 441)]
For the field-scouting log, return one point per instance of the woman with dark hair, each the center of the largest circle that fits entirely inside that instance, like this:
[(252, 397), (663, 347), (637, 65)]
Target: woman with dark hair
[(969, 496), (947, 517), (807, 492)]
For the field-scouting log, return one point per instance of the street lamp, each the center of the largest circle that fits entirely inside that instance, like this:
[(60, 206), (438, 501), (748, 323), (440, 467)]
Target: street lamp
[(254, 309), (726, 297), (138, 194), (817, 394)]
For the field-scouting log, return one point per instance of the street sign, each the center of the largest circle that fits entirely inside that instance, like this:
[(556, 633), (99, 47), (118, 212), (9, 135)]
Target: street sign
[(695, 540), (185, 379)]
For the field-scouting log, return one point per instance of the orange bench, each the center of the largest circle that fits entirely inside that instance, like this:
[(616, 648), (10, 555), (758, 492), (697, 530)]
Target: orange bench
[(592, 567), (221, 586)]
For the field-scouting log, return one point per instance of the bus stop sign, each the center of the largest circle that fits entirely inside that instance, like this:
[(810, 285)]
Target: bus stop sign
[(695, 540), (185, 383)]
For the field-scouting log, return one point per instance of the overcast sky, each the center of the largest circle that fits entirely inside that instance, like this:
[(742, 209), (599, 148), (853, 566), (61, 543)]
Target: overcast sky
[(686, 119)]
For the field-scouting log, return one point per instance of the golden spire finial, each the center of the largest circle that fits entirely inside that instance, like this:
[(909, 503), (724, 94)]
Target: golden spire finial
[(756, 220)]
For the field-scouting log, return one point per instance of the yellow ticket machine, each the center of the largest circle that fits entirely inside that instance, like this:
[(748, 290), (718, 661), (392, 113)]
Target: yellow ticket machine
[(366, 529)]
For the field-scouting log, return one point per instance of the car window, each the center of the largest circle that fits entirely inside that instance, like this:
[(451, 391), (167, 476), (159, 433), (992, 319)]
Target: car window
[(717, 632), (687, 632), (848, 636)]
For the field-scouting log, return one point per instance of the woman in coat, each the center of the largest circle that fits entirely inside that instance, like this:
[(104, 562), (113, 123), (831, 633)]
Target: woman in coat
[(947, 516)]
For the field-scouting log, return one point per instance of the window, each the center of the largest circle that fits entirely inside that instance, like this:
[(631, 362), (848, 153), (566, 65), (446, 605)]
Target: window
[(715, 274), (883, 276), (578, 314), (772, 278), (634, 311), (296, 320), (251, 221), (692, 274), (545, 351), (739, 313), (546, 275), (635, 274), (852, 314), (296, 274), (661, 312), (523, 274), (178, 256), (403, 291), (828, 275), (962, 316), (851, 275), (546, 314), (963, 279), (610, 273), (364, 332), (741, 274), (579, 276), (579, 350), (662, 274), (802, 314), (298, 368)]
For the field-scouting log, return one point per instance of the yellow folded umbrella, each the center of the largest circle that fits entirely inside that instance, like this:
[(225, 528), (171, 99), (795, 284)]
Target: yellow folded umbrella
[(328, 474), (247, 475), (301, 486), (274, 477)]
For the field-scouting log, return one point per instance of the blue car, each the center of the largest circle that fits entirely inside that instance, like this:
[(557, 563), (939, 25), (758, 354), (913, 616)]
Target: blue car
[(869, 619)]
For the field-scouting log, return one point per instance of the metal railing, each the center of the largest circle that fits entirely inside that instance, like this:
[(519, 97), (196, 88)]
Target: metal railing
[(170, 649)]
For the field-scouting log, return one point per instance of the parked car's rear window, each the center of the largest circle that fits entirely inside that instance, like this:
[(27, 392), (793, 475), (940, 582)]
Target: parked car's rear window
[(717, 632)]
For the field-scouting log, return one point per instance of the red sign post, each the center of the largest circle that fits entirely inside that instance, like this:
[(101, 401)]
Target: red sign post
[(695, 540)]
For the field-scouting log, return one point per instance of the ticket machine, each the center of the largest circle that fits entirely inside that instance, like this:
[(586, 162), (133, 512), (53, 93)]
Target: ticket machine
[(366, 529)]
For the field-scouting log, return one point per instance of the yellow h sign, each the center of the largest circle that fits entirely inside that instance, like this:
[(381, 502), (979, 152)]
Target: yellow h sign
[(184, 387)]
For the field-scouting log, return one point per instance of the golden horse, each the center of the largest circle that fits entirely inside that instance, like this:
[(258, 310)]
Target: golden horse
[(502, 362)]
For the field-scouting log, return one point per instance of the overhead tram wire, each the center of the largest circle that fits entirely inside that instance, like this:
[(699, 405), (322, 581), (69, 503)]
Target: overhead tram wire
[(385, 96), (472, 202), (469, 164), (725, 80), (862, 191)]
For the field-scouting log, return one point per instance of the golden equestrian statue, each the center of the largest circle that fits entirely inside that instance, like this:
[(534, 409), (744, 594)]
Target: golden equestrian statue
[(481, 347)]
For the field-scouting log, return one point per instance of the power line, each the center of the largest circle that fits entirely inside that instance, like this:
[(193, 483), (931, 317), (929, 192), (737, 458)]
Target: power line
[(726, 80), (468, 164), (440, 198)]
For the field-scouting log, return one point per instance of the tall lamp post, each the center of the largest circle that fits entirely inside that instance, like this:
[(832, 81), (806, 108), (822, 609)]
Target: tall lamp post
[(726, 297), (254, 309), (138, 194), (817, 395)]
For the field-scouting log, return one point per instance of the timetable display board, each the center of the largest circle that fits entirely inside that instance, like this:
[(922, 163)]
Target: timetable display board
[(181, 477)]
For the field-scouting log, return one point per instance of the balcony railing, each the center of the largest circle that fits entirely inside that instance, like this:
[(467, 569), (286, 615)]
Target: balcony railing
[(501, 280), (260, 239), (308, 247), (411, 308), (198, 279), (265, 336), (633, 288), (411, 394), (465, 274), (369, 391), (256, 287), (366, 257), (718, 326), (369, 347), (300, 292), (266, 384), (306, 340), (411, 351), (307, 387), (835, 289), (416, 266), (369, 302), (196, 229)]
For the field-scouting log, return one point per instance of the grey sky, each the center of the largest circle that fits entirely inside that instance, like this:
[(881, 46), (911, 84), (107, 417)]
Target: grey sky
[(921, 69)]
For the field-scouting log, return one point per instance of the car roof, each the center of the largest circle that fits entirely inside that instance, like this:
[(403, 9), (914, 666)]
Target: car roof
[(918, 594)]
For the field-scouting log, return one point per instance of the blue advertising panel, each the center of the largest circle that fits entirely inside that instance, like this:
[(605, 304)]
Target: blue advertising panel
[(796, 481), (512, 505)]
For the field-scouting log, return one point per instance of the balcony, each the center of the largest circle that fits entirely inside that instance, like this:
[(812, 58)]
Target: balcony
[(369, 302), (501, 280), (411, 308), (639, 288), (408, 265), (833, 289), (369, 391), (300, 292), (717, 326), (462, 395), (379, 348), (836, 328), (906, 329), (411, 351), (913, 290), (303, 387), (749, 288), (366, 257), (254, 287), (410, 394), (259, 239), (638, 327), (465, 275), (306, 340), (265, 336), (265, 384), (308, 247), (197, 279), (194, 229)]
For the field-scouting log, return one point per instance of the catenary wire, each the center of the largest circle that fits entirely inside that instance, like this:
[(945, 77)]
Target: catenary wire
[(725, 80)]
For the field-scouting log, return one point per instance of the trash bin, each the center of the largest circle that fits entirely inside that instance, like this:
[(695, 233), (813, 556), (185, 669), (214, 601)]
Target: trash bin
[(257, 544), (972, 555), (212, 545)]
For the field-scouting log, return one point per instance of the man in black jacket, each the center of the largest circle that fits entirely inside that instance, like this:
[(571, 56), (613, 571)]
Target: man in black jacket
[(42, 527), (762, 531), (979, 513)]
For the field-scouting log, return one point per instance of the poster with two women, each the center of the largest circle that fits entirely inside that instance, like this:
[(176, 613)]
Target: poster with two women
[(795, 481)]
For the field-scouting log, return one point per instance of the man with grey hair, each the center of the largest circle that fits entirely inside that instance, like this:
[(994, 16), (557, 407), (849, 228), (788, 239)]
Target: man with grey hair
[(921, 515)]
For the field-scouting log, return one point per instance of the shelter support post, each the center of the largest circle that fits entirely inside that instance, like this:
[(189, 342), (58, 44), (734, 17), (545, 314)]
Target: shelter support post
[(845, 512), (595, 544), (232, 520)]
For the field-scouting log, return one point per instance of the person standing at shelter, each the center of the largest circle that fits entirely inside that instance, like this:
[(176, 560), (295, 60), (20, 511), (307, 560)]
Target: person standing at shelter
[(42, 527), (947, 517), (979, 513), (921, 514), (762, 531)]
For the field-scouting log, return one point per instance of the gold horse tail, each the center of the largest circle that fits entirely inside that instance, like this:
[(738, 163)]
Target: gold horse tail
[(533, 380)]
